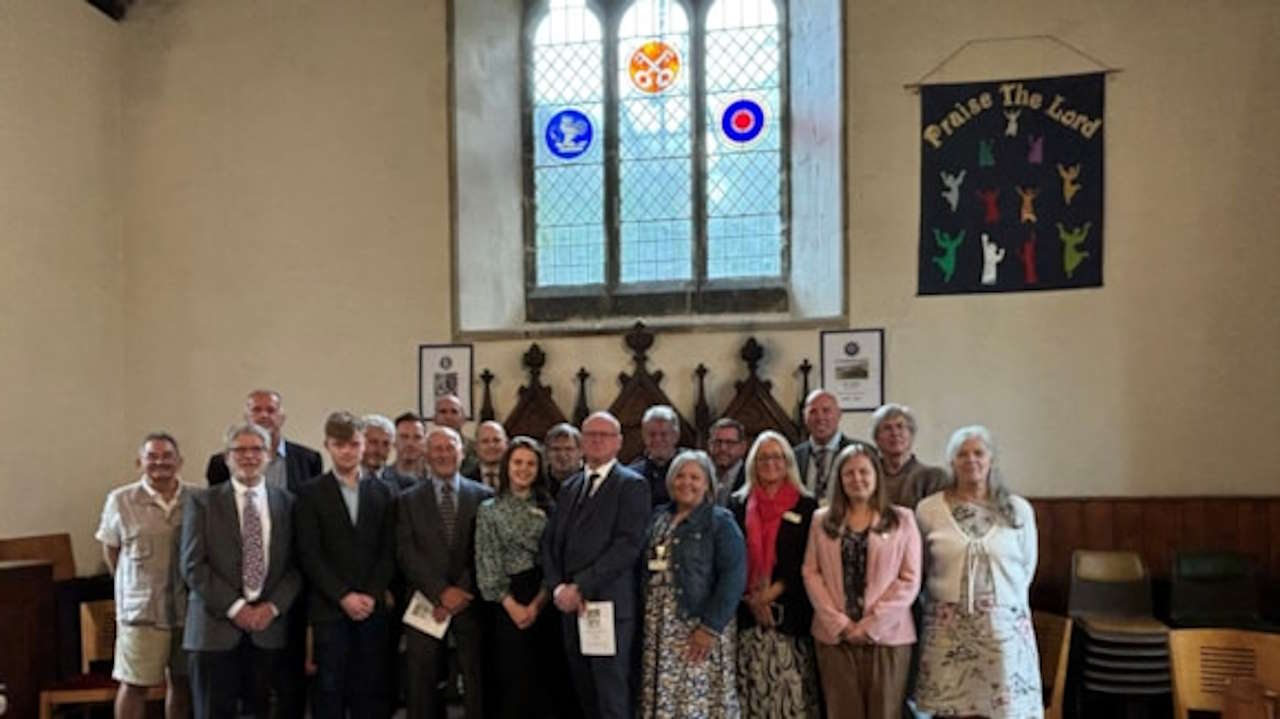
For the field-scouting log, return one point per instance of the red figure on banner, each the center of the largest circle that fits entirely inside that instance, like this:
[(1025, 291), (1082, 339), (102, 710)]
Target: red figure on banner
[(991, 211), (1027, 254)]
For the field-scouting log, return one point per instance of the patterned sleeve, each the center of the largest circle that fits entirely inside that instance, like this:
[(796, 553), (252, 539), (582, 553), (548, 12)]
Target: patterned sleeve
[(490, 577), (109, 526)]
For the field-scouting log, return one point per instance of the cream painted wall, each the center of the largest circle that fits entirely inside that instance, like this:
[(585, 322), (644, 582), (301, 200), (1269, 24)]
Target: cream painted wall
[(286, 224), (61, 310)]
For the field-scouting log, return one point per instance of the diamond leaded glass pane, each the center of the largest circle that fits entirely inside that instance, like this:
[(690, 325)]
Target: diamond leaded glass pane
[(655, 143), (568, 140), (744, 140)]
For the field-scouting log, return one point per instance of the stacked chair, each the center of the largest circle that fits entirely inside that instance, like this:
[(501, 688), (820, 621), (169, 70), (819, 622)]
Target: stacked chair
[(1126, 650), (1212, 665), (1216, 589)]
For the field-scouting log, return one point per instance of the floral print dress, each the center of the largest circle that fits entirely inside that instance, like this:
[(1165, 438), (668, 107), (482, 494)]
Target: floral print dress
[(672, 687), (978, 657)]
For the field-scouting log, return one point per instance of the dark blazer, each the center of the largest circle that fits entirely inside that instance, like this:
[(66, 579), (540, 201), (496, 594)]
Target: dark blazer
[(797, 612), (655, 474), (804, 451), (429, 562), (301, 463), (337, 557), (211, 565), (595, 542)]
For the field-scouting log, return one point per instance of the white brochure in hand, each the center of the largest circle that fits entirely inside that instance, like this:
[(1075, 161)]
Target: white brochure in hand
[(596, 631), (419, 614)]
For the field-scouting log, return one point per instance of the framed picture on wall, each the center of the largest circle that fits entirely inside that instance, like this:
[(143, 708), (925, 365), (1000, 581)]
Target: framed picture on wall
[(853, 368), (442, 370)]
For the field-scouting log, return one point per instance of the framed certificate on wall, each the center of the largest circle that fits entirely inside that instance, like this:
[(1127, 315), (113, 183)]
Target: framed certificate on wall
[(853, 368), (443, 370)]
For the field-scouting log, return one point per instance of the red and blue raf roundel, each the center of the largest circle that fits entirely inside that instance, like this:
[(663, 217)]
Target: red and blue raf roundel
[(742, 121)]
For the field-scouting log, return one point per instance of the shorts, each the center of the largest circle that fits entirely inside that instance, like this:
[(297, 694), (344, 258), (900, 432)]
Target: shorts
[(143, 652)]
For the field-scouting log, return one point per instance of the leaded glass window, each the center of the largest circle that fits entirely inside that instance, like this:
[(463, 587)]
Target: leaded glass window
[(656, 131)]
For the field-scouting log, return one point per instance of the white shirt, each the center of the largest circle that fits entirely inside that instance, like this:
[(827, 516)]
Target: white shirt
[(601, 472), (948, 551), (264, 513)]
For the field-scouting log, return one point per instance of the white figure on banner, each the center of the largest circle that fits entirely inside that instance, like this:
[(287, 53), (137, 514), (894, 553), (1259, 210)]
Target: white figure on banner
[(992, 255), (952, 193), (1011, 127)]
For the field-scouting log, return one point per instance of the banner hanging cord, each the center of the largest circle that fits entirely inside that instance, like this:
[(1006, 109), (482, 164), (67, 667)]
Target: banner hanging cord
[(1107, 69)]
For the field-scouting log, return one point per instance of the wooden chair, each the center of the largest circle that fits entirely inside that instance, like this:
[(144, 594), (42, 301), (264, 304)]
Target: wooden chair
[(1246, 698), (1053, 639), (97, 644), (1206, 660)]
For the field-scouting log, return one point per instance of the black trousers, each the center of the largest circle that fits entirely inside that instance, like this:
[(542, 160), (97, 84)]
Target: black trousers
[(220, 679), (603, 683), (351, 668), (529, 664), (425, 658)]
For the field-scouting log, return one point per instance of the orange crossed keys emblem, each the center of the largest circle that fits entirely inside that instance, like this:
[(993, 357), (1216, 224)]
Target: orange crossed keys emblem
[(654, 67)]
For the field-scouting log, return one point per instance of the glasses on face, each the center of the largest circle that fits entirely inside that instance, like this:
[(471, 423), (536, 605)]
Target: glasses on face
[(771, 457), (247, 450), (599, 435), (725, 442)]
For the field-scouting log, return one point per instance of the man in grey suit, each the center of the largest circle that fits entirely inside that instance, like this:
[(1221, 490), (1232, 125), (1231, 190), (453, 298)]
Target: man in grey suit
[(815, 457), (435, 533), (590, 550), (237, 559)]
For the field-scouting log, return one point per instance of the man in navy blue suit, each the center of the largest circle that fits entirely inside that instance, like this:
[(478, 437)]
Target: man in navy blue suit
[(589, 554)]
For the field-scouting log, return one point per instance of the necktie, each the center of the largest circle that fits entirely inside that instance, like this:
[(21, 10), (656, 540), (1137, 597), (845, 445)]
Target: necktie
[(254, 564), (821, 459), (593, 482), (448, 510)]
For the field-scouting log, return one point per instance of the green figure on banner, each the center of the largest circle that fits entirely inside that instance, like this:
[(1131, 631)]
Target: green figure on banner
[(949, 244), (986, 153), (1072, 255)]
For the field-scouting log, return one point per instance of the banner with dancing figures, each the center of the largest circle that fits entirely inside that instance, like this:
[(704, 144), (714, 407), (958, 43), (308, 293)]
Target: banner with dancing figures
[(1011, 185)]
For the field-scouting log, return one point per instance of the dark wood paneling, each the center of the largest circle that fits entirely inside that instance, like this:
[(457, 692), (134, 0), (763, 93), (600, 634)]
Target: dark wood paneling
[(1156, 528)]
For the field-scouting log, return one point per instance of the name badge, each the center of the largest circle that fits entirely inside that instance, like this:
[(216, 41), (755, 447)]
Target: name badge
[(658, 565), (537, 512), (791, 517)]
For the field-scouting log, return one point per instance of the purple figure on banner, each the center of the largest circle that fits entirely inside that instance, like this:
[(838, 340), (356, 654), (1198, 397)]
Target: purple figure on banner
[(992, 256), (986, 153), (1035, 149), (1069, 185), (947, 260), (1028, 195), (991, 211), (953, 182), (1027, 254), (1011, 127), (1072, 255)]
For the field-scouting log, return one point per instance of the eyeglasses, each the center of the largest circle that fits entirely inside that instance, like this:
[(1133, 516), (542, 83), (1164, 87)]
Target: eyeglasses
[(725, 442), (779, 457), (247, 450), (599, 435)]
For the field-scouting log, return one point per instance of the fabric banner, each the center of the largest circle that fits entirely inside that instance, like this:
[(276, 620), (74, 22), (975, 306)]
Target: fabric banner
[(1011, 185)]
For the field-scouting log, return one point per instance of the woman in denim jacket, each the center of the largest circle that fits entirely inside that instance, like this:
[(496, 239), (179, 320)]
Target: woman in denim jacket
[(695, 573)]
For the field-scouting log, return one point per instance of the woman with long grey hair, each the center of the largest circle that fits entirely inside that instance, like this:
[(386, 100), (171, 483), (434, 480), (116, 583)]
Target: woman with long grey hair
[(978, 653)]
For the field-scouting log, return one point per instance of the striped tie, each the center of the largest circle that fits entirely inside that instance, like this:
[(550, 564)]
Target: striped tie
[(448, 510), (254, 564)]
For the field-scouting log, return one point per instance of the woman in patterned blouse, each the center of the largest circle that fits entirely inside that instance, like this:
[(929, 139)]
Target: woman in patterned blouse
[(862, 572), (530, 675)]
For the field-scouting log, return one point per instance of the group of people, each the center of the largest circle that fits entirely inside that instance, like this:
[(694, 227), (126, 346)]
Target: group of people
[(837, 578)]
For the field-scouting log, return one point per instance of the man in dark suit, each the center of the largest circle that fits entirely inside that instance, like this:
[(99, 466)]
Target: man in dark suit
[(290, 464), (816, 456), (490, 445), (727, 442), (287, 466), (590, 551), (346, 536), (237, 560), (435, 545), (660, 431)]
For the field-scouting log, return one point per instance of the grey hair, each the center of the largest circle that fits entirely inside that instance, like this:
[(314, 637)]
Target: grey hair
[(239, 430), (890, 411), (564, 429), (793, 470), (661, 413), (998, 492), (380, 422), (449, 432), (819, 392), (698, 457)]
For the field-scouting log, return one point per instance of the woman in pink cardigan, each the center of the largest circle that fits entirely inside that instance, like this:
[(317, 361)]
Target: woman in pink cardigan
[(862, 572)]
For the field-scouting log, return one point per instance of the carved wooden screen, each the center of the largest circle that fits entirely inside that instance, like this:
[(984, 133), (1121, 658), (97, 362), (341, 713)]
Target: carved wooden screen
[(535, 412), (753, 405), (639, 392)]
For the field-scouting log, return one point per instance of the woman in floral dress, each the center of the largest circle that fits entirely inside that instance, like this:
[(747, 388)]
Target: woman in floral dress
[(978, 654), (696, 571)]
